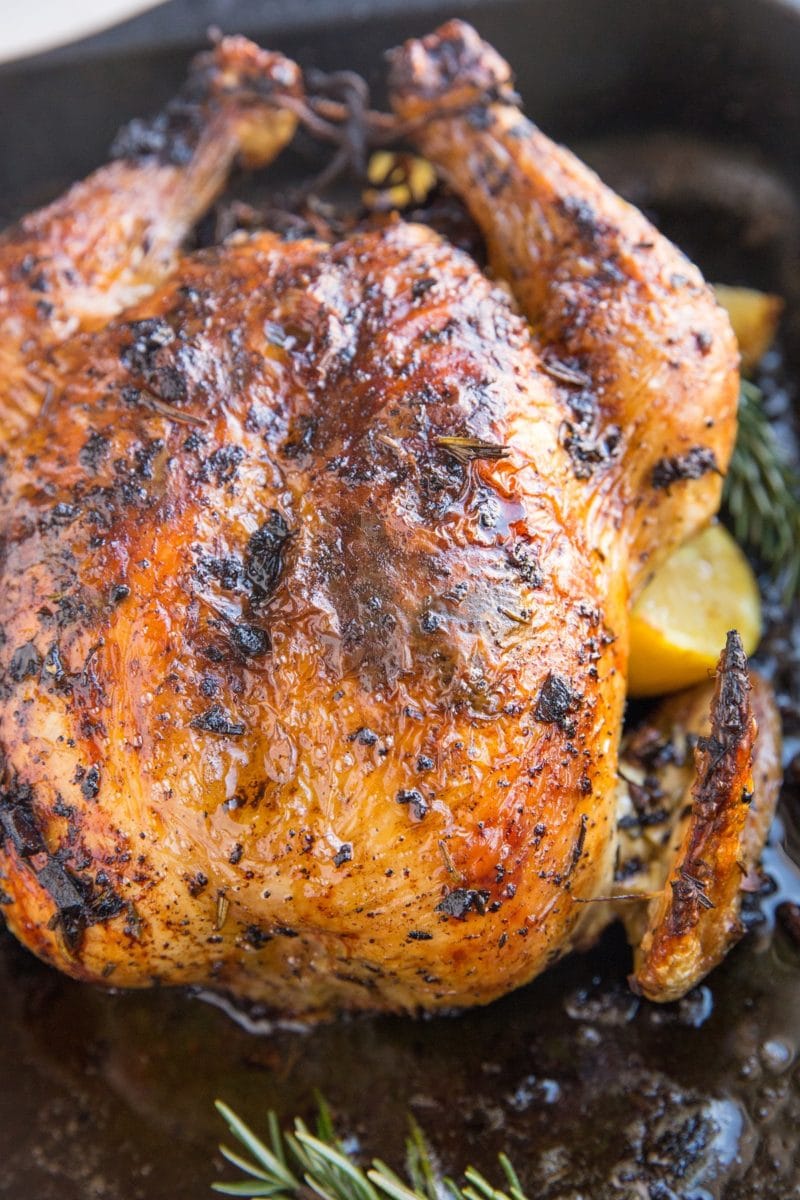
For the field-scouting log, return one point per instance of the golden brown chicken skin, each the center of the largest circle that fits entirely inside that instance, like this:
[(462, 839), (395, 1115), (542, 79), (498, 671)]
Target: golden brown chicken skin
[(723, 796), (270, 676), (114, 237), (315, 614), (646, 359)]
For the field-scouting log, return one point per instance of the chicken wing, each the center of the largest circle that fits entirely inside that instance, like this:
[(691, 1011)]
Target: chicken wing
[(114, 237)]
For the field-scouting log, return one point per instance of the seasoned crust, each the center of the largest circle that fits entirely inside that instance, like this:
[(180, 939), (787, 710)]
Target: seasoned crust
[(235, 77), (452, 67), (694, 920)]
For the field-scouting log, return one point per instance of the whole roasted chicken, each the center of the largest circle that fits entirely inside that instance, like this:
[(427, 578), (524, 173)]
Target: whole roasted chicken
[(317, 559)]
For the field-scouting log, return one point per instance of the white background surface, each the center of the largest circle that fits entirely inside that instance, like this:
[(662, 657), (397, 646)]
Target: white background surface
[(30, 26)]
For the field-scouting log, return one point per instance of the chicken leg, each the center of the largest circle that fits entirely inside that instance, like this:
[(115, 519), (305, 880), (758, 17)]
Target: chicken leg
[(116, 236), (645, 357), (647, 363)]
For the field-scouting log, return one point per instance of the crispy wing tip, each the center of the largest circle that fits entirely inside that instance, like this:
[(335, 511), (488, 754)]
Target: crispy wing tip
[(695, 919), (236, 84), (453, 65), (240, 67)]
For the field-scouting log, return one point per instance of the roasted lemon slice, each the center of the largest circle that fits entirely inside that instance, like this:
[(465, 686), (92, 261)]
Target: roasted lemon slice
[(679, 622), (754, 317)]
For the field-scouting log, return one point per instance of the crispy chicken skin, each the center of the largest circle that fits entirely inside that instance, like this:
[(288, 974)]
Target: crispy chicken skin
[(654, 385), (315, 580), (114, 237), (720, 801)]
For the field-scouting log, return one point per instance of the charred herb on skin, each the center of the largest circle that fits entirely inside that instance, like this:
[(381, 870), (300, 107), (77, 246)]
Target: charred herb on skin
[(287, 1165), (468, 449)]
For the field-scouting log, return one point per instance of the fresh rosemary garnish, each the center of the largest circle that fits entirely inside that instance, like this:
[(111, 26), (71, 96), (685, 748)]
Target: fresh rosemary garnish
[(762, 494), (290, 1165), (467, 449)]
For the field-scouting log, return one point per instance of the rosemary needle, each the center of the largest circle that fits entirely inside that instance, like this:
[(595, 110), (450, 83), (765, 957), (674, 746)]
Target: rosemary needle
[(468, 449), (762, 494), (287, 1166)]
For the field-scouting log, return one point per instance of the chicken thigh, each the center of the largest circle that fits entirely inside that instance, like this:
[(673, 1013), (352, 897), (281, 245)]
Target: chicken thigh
[(315, 581)]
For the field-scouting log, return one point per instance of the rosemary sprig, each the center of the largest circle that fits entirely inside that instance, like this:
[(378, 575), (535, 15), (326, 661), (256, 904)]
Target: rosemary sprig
[(290, 1165), (762, 494)]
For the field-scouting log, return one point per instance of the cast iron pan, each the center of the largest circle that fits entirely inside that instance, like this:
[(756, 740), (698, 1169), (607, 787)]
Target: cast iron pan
[(693, 109)]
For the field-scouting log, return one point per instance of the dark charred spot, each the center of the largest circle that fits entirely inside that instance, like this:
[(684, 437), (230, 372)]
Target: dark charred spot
[(343, 855), (236, 853), (149, 337), (228, 571), (18, 821), (479, 117), (90, 784), (59, 515), (209, 685), (524, 560), (419, 935), (143, 356), (216, 720), (582, 217), (263, 557), (71, 610), (364, 736), (170, 137), (222, 465), (301, 438), (417, 804), (256, 937), (698, 461), (145, 456), (627, 869), (430, 621), (461, 901), (556, 700), (119, 592), (196, 883), (93, 451), (589, 450), (587, 442), (80, 901), (421, 287), (250, 640), (25, 662), (425, 763)]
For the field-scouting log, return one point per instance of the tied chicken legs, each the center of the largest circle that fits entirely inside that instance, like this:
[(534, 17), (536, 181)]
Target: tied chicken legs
[(316, 566)]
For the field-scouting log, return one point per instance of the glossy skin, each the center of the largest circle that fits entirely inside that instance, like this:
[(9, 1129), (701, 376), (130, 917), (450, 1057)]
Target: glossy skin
[(699, 782), (295, 702), (603, 291), (390, 652), (115, 236)]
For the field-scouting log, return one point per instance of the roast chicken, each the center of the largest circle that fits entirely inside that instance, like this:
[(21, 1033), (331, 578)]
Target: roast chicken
[(317, 558)]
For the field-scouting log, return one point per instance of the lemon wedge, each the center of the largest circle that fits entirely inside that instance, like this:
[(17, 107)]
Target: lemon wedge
[(679, 622), (754, 317)]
